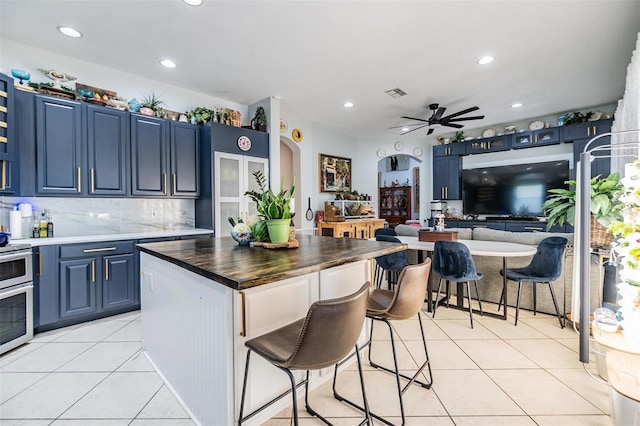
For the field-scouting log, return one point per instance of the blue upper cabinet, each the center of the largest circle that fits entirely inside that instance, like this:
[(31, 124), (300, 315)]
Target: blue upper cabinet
[(586, 130), (8, 141), (58, 146), (149, 156), (184, 142), (446, 178), (449, 149), (492, 144), (550, 136), (107, 151)]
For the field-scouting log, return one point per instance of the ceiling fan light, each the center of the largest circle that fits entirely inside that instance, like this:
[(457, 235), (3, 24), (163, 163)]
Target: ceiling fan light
[(516, 105), (70, 32), (405, 129), (348, 105), (193, 2), (486, 60)]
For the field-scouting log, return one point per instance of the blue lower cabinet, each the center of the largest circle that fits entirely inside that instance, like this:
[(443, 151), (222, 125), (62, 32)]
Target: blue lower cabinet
[(78, 294), (532, 227)]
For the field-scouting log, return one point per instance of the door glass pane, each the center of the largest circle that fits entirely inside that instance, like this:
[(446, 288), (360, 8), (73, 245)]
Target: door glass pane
[(253, 166), (229, 177), (227, 210), (13, 317)]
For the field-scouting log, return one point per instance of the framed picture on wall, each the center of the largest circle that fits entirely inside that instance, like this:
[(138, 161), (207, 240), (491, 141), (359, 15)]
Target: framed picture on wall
[(416, 189), (335, 173)]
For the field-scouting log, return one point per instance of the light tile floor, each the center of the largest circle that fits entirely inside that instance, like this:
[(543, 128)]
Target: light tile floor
[(95, 374)]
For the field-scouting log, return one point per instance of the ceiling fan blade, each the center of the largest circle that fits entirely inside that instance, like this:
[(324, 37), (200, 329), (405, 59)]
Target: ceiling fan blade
[(430, 131), (417, 128), (438, 114), (457, 126), (407, 125), (464, 111), (475, 117), (413, 118)]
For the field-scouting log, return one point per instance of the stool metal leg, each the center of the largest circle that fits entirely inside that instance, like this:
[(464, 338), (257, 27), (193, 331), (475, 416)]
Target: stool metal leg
[(470, 307), (555, 303), (478, 297), (435, 305), (244, 387), (518, 302)]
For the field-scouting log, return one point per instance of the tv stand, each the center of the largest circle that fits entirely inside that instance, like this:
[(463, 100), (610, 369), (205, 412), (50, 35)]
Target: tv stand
[(513, 218)]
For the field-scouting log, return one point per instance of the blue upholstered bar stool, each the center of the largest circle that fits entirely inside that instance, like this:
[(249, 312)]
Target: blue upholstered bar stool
[(323, 338), (545, 267), (453, 262), (391, 264)]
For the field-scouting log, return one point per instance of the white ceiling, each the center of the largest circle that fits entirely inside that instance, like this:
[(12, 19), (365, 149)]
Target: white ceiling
[(553, 56)]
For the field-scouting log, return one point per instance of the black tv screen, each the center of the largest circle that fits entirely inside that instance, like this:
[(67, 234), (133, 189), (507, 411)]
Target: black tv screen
[(514, 190)]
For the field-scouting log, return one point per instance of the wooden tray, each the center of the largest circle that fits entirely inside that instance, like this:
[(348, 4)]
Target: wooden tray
[(430, 236), (289, 244)]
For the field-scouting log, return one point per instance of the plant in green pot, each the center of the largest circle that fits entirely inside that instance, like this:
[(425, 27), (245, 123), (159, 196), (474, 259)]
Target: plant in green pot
[(560, 207), (273, 207)]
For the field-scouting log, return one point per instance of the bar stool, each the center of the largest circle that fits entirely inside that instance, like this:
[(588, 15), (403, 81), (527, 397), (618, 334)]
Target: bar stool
[(391, 264), (403, 303), (453, 262), (322, 339)]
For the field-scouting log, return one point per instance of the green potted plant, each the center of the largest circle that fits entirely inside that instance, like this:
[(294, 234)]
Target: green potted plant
[(459, 137), (151, 105), (259, 121), (273, 207), (559, 208), (201, 115)]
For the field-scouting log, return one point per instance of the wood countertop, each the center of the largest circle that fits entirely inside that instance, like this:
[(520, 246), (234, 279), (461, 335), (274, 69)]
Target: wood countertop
[(241, 267)]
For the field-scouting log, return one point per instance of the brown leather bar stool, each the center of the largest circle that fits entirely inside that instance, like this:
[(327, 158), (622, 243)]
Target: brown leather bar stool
[(322, 339), (402, 303)]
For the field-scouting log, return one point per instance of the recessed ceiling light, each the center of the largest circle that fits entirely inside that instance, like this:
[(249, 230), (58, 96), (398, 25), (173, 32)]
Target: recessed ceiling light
[(516, 105), (168, 63), (348, 105), (68, 31), (193, 2), (485, 60), (405, 129)]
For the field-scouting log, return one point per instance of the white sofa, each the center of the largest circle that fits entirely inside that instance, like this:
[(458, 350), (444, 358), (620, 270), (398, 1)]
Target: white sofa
[(491, 283)]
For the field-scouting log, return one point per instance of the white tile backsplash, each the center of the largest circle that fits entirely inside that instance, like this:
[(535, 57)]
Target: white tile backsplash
[(99, 216)]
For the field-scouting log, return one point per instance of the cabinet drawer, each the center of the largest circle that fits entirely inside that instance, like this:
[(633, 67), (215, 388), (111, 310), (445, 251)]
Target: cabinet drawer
[(95, 249), (532, 227)]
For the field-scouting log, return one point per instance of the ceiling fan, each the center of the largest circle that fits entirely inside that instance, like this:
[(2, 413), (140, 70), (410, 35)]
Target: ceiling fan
[(438, 118)]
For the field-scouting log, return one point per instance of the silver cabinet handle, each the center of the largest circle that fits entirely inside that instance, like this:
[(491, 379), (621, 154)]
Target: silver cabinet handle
[(95, 250)]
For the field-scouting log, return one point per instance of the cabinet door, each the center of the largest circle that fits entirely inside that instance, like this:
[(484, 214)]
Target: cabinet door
[(58, 146), (496, 143), (8, 142), (118, 276), (233, 177), (46, 290), (450, 149), (446, 178), (78, 287), (148, 156), (185, 159), (586, 130), (107, 146), (532, 227), (600, 165)]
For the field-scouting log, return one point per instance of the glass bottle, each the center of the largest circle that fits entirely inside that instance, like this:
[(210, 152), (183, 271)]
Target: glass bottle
[(42, 227)]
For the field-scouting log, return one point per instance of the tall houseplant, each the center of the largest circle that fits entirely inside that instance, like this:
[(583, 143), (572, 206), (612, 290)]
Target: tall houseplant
[(559, 208), (273, 207)]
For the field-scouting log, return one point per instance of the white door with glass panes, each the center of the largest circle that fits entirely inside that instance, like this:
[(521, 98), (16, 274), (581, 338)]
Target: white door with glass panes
[(233, 177)]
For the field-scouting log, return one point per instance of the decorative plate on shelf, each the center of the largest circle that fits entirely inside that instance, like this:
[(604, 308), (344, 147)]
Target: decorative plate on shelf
[(417, 152), (244, 143), (399, 146), (297, 135), (536, 125), (283, 126), (380, 153), (488, 133)]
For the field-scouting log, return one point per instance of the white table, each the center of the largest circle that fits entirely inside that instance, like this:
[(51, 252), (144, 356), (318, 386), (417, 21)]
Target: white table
[(476, 248)]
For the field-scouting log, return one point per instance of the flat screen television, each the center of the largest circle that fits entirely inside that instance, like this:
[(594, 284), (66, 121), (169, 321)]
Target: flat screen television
[(514, 190)]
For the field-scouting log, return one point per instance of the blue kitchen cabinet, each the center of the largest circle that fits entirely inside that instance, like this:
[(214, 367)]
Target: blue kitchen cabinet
[(532, 227), (500, 226), (492, 144), (586, 130), (184, 144), (8, 140), (446, 178), (118, 281), (78, 295), (59, 146), (449, 150), (550, 136), (46, 290), (149, 156), (107, 151)]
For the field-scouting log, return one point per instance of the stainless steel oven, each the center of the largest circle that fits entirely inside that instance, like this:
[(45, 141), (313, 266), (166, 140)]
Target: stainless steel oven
[(16, 296)]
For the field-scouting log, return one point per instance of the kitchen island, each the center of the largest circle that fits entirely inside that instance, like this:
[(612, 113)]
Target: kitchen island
[(202, 299)]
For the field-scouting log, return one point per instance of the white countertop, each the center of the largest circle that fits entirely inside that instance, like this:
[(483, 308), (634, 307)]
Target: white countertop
[(35, 242)]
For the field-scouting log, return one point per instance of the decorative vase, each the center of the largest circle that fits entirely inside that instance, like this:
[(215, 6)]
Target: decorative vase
[(278, 230), (147, 111)]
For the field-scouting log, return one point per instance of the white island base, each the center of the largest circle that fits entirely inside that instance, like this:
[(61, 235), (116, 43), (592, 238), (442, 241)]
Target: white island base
[(194, 330)]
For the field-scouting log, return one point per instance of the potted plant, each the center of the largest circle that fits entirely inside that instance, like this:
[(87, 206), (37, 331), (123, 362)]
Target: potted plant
[(559, 208), (459, 137), (274, 208), (259, 121), (201, 115), (151, 105)]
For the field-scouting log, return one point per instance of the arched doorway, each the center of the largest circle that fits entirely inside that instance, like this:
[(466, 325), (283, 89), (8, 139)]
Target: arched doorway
[(402, 170), (290, 167)]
